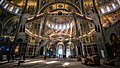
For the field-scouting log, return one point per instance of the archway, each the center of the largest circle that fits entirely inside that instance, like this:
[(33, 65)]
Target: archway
[(49, 49), (60, 49), (113, 38), (115, 45), (70, 50), (10, 25), (51, 3)]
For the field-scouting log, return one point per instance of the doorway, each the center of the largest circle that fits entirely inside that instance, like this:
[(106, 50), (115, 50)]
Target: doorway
[(60, 48)]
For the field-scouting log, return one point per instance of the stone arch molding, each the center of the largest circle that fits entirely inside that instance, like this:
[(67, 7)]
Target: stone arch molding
[(51, 3)]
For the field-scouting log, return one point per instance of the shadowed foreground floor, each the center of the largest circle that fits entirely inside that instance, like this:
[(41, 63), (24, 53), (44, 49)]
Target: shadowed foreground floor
[(51, 63)]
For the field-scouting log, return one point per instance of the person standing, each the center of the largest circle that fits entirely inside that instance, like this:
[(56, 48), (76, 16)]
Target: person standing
[(8, 57), (45, 56)]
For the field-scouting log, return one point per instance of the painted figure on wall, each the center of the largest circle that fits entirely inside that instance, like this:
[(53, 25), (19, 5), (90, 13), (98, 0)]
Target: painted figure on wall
[(115, 45)]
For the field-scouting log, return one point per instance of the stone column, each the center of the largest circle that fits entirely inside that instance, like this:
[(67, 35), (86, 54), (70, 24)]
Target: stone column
[(21, 30), (76, 51)]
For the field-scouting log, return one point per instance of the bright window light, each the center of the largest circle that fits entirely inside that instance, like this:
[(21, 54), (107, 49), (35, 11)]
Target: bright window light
[(113, 5), (6, 6), (27, 60), (68, 52), (65, 64), (60, 27), (3, 62), (108, 8), (34, 62), (49, 25), (68, 26), (1, 2), (102, 10), (71, 25), (56, 26), (11, 8), (51, 62), (118, 1), (64, 27), (60, 51), (52, 26), (17, 10)]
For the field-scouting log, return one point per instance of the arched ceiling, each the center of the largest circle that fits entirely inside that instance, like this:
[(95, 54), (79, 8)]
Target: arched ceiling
[(35, 6), (45, 5), (21, 2), (32, 2)]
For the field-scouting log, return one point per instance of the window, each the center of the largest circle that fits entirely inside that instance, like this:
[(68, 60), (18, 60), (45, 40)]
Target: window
[(108, 8), (17, 10), (6, 6), (102, 10), (118, 1), (11, 8), (113, 5), (1, 2)]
